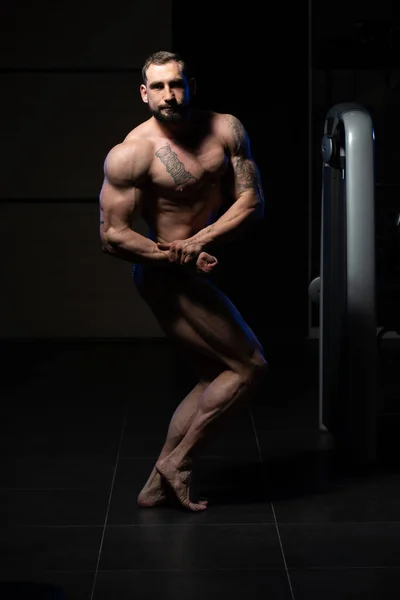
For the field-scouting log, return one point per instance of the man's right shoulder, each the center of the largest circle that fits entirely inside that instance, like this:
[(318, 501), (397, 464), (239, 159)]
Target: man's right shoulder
[(130, 159), (131, 147)]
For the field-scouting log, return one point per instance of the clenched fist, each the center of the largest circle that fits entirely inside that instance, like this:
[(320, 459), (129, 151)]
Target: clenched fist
[(205, 262), (189, 253)]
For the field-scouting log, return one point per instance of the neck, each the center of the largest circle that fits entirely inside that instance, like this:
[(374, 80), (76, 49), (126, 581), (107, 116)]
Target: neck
[(175, 130)]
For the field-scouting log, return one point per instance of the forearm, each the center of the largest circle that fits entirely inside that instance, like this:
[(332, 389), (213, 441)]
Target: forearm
[(134, 248), (235, 222)]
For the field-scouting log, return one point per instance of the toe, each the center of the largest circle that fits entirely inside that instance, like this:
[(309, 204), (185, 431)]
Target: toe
[(197, 507)]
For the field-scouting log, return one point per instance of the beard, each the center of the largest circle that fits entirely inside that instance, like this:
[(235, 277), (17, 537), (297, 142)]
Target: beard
[(177, 113)]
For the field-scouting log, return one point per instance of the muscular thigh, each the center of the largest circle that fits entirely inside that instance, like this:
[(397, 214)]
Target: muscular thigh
[(197, 314)]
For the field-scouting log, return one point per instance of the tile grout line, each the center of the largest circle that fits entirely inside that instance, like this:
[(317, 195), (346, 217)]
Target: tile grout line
[(272, 507), (109, 503), (44, 489)]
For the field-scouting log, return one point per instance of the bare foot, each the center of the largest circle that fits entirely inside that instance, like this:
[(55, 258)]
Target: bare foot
[(153, 492), (178, 478)]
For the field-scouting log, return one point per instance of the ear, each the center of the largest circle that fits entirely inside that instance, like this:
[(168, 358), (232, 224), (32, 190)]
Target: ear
[(143, 93)]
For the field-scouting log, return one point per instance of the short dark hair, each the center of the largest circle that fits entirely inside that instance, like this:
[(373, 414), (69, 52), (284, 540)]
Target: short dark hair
[(162, 57)]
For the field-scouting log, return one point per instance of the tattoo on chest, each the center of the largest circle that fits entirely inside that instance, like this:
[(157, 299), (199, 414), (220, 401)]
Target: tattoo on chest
[(174, 166)]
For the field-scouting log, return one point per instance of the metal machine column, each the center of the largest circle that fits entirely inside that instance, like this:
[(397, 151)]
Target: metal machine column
[(347, 327)]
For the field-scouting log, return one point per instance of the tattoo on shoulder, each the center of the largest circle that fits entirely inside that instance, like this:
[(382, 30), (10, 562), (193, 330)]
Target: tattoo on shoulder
[(238, 130), (174, 166)]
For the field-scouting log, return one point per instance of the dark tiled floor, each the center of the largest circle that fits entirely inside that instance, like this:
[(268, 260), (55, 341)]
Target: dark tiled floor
[(81, 427)]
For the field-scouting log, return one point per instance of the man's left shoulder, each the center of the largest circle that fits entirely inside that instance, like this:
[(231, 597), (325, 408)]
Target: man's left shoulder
[(224, 117), (229, 122), (231, 130)]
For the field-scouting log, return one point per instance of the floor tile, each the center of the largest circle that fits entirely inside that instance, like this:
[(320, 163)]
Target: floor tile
[(21, 443), (254, 546), (49, 548), (40, 435), (192, 585), (309, 545), (233, 488), (58, 470), (339, 530), (232, 480), (372, 477), (50, 585), (292, 441), (53, 507), (375, 499), (296, 462), (33, 591), (346, 584)]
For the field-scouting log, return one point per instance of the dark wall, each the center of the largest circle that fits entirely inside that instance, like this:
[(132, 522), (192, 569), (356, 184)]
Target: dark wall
[(255, 66), (70, 90), (69, 77)]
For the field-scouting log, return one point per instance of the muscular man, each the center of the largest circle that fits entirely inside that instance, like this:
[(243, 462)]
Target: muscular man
[(172, 170)]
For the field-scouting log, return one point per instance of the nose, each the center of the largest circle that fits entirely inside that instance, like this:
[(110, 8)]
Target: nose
[(169, 95)]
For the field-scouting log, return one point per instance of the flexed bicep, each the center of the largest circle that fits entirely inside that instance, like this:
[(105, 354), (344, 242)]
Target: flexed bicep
[(119, 206), (121, 194)]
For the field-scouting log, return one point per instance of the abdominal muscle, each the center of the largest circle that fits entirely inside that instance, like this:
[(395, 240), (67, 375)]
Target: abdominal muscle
[(178, 219)]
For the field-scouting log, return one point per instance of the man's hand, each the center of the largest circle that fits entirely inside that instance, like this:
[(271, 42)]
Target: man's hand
[(206, 263), (189, 253), (182, 252)]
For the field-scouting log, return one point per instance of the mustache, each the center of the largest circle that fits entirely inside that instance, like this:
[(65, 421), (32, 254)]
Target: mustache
[(172, 105)]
